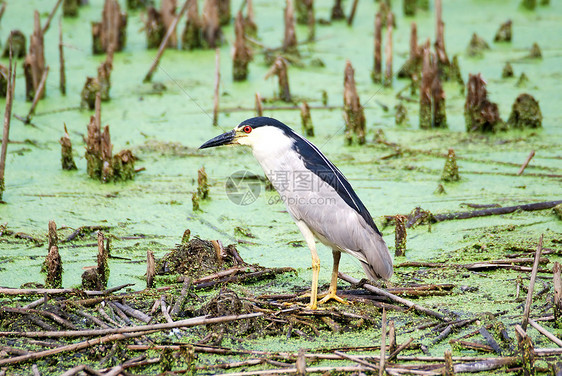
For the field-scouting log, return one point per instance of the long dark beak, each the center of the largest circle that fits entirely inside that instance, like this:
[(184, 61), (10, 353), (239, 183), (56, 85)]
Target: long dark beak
[(223, 139)]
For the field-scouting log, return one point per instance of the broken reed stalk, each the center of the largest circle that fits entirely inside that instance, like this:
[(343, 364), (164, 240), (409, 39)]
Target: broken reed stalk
[(529, 300), (439, 119), (377, 66), (103, 266), (425, 90), (526, 163), (259, 105), (217, 85), (391, 337), (111, 32), (171, 29), (388, 50), (34, 63), (242, 54), (400, 236), (480, 114), (352, 13), (290, 39), (150, 269), (202, 184), (51, 15), (67, 159), (279, 69), (439, 35), (354, 114), (191, 37), (53, 263), (383, 344), (526, 351), (73, 347), (11, 84), (211, 24), (306, 118), (62, 74), (557, 285)]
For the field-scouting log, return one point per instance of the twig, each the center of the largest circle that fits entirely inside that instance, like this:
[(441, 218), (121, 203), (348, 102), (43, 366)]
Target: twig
[(38, 93), (526, 163), (164, 43), (196, 321), (545, 332), (393, 297), (358, 360), (73, 347), (48, 23), (532, 286)]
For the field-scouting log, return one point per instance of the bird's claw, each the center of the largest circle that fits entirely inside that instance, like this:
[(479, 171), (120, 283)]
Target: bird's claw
[(332, 296)]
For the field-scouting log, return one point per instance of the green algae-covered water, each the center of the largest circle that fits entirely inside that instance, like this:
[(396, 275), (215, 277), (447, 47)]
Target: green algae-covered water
[(163, 128)]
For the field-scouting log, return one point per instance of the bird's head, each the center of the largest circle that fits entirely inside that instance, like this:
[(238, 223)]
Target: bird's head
[(260, 131)]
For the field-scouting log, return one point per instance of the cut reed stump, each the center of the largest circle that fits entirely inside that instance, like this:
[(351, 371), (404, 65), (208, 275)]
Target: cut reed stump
[(525, 113), (279, 69), (154, 28), (354, 114), (101, 165), (504, 32), (337, 11), (53, 262), (224, 12), (438, 97), (202, 184), (67, 159), (507, 70), (111, 32), (259, 105), (191, 37), (70, 8), (211, 24), (377, 65), (242, 54), (34, 64), (412, 67), (150, 269), (480, 114), (100, 84), (307, 126), (477, 46), (250, 27), (451, 169), (18, 42), (290, 39)]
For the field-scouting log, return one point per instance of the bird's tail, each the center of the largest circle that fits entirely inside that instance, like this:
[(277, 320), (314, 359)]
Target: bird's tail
[(379, 261)]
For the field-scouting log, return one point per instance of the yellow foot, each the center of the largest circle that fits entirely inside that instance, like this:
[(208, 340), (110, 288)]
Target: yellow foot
[(332, 296)]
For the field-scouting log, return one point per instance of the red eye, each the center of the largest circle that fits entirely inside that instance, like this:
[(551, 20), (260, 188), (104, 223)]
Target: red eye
[(247, 129)]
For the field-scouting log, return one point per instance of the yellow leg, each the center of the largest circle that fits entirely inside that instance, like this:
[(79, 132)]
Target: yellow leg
[(309, 238), (334, 282)]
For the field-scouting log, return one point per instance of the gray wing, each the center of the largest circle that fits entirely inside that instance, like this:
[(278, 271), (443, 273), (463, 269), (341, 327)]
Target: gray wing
[(341, 227)]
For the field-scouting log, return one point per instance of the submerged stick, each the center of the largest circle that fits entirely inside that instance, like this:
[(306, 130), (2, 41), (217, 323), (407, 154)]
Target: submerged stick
[(496, 211), (529, 300), (393, 297), (164, 43)]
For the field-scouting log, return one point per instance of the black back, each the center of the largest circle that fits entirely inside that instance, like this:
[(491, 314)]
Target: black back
[(317, 162)]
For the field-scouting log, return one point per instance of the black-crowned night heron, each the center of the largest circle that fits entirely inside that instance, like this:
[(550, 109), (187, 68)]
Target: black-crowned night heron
[(318, 197)]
